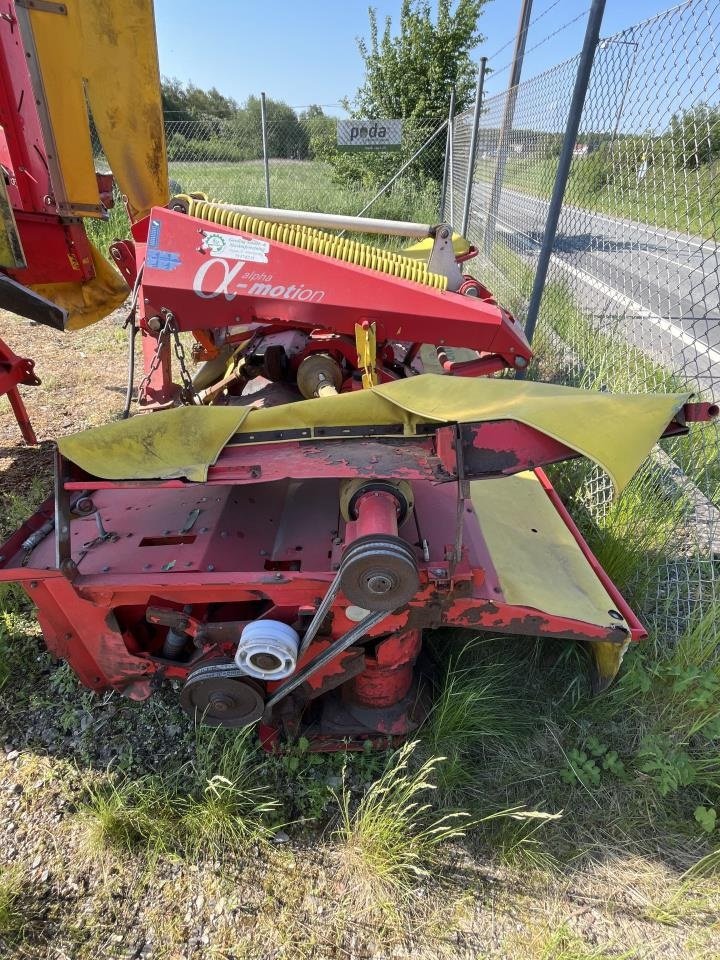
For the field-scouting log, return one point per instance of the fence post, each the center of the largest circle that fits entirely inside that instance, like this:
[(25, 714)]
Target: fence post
[(473, 145), (582, 79), (447, 168), (506, 125), (266, 162)]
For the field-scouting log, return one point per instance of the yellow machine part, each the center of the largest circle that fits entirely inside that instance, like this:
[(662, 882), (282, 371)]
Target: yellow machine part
[(103, 55), (615, 431), (11, 251), (90, 301), (423, 248), (319, 241)]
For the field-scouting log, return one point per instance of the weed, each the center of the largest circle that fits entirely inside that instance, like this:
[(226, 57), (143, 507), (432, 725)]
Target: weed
[(12, 918), (706, 817), (391, 838), (208, 807)]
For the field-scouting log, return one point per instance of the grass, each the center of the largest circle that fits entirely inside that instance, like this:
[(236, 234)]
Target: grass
[(301, 185), (207, 807), (392, 837), (12, 917), (686, 200)]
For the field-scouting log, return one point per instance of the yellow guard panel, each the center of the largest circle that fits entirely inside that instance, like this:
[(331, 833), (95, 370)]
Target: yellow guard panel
[(104, 50), (537, 559), (616, 431)]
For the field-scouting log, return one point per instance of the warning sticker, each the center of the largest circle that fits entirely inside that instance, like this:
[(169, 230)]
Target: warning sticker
[(232, 247)]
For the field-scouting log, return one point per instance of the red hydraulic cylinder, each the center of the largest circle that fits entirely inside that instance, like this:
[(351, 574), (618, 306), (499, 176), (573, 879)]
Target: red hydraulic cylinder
[(376, 512), (388, 675)]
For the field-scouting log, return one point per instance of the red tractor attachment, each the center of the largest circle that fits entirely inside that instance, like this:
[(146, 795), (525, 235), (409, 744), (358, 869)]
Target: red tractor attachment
[(281, 541)]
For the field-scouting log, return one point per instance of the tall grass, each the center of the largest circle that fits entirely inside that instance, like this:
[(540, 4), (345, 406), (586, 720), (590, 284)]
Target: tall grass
[(12, 917), (214, 805), (476, 705), (392, 837)]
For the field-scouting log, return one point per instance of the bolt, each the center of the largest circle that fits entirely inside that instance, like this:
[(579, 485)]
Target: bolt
[(438, 571), (379, 584), (105, 569), (444, 233), (33, 584), (211, 567), (278, 576)]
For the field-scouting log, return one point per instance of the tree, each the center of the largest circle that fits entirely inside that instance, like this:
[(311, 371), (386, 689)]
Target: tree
[(695, 135), (320, 131), (409, 75), (286, 136)]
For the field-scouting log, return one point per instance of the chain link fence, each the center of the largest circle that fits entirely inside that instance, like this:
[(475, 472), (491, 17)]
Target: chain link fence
[(631, 301), (306, 169)]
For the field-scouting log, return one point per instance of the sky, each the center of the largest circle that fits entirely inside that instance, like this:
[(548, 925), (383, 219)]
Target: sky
[(304, 51)]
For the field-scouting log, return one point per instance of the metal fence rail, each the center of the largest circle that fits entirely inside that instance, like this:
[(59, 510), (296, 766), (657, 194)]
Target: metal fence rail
[(632, 300)]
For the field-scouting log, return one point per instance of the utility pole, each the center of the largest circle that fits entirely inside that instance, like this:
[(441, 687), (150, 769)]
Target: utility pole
[(473, 144), (582, 79), (507, 122)]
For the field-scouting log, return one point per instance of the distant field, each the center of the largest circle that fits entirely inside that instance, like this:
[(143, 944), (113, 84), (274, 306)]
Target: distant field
[(294, 184), (670, 197)]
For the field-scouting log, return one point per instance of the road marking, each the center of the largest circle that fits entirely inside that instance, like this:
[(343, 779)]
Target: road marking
[(672, 328), (642, 227)]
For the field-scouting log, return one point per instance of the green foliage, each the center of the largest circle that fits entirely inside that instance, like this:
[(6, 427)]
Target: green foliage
[(706, 817), (287, 137), (581, 768), (409, 75), (669, 766), (391, 838), (212, 806), (307, 778), (695, 135), (188, 102)]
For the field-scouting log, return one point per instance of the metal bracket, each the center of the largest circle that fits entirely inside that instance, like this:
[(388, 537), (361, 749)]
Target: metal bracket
[(43, 6), (442, 259), (59, 190)]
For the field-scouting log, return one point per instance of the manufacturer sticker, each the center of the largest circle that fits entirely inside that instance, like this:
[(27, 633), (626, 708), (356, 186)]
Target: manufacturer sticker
[(232, 247), (163, 259), (154, 233)]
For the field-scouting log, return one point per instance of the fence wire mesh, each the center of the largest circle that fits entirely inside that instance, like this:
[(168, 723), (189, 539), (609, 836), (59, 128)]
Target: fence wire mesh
[(631, 301), (307, 171)]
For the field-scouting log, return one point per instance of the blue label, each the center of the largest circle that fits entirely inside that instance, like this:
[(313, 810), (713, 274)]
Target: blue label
[(154, 233), (163, 259)]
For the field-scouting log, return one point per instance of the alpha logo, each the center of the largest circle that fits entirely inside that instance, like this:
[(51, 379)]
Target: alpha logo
[(218, 278)]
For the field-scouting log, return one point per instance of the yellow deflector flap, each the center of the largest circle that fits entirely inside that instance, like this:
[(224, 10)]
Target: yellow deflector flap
[(616, 431), (105, 51)]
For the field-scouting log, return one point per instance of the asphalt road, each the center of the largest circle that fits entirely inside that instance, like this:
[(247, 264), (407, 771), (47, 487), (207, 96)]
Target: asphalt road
[(659, 289)]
